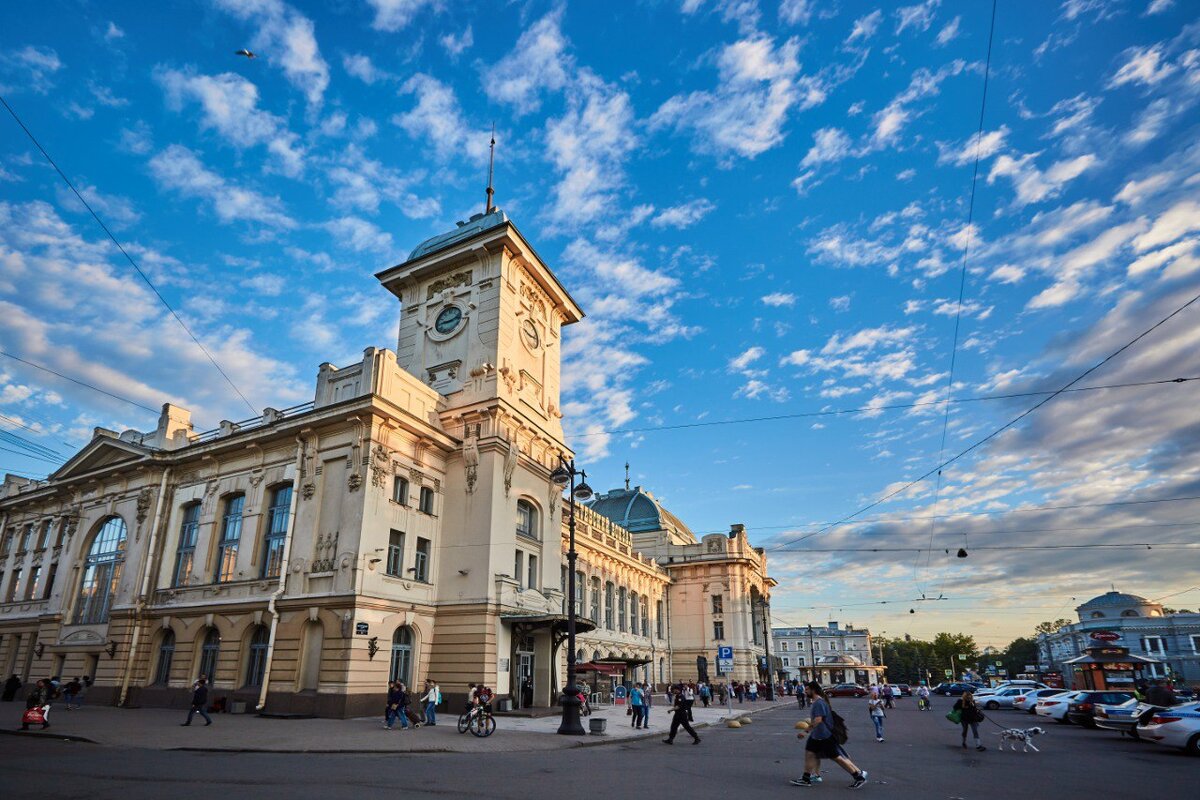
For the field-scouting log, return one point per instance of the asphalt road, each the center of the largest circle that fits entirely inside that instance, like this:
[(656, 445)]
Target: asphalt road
[(920, 759)]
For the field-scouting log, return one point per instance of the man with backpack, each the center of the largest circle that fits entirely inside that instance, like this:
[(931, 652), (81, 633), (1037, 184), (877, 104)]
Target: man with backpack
[(826, 735)]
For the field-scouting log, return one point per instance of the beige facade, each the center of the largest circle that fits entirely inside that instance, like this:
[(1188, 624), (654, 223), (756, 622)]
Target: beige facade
[(403, 524)]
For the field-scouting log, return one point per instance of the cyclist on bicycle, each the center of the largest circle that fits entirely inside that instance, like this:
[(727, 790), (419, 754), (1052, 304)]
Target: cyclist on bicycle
[(481, 697)]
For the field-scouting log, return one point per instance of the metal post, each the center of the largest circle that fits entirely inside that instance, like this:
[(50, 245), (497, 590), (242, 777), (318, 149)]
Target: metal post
[(571, 724), (767, 647)]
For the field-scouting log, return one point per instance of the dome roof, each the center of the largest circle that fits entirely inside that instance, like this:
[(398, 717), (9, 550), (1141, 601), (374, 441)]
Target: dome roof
[(842, 658), (637, 511), (478, 223), (1117, 599)]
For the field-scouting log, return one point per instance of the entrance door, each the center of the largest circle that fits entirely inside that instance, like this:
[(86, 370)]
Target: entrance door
[(525, 665)]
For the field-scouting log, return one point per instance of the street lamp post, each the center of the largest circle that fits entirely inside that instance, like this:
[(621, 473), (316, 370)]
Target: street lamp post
[(564, 477), (766, 612), (812, 654)]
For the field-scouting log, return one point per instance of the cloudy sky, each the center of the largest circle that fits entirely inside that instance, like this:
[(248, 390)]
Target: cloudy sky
[(761, 205)]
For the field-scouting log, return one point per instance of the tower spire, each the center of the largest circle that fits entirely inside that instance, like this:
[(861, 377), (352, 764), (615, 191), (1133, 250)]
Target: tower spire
[(491, 167), (627, 476)]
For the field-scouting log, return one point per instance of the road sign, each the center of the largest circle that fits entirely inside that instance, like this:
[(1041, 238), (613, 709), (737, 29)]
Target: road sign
[(949, 673), (999, 663), (724, 652), (361, 628), (619, 695)]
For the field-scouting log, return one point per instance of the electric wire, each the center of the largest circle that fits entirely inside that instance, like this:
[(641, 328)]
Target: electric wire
[(128, 257), (77, 382)]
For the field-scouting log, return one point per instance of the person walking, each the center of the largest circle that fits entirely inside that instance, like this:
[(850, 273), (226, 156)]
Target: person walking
[(70, 691), (636, 703), (406, 706), (682, 712), (11, 686), (969, 717), (889, 694), (392, 708), (705, 694), (433, 696), (752, 691), (647, 702), (822, 743), (85, 687), (199, 702), (875, 708)]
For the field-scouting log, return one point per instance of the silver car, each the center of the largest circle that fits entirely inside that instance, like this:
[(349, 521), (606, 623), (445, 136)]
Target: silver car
[(1001, 699)]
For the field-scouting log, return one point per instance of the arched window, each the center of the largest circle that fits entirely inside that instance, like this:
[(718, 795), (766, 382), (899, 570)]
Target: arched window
[(633, 613), (579, 656), (595, 655), (662, 670), (622, 594), (231, 535), (526, 520), (645, 617), (209, 651), (400, 490), (1097, 615), (166, 654), (101, 573), (256, 663), (402, 647), (595, 606), (1129, 613), (609, 591), (185, 555), (277, 524)]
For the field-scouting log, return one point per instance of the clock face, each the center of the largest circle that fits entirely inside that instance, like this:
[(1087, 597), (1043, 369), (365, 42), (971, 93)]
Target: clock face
[(530, 332), (448, 319)]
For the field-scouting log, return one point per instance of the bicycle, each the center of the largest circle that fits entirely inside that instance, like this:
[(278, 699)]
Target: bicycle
[(478, 720)]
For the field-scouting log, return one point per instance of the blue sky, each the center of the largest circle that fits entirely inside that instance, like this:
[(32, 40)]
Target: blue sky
[(762, 206)]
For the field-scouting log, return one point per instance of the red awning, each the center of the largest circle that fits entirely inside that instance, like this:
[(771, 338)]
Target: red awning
[(603, 669)]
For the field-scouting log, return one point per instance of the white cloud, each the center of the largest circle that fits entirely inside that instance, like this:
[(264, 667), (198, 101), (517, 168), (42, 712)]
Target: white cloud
[(1180, 219), (537, 63), (1031, 184), (1159, 6), (457, 44), (985, 146), (266, 284), (840, 304), (949, 31), (864, 27), (747, 357), (113, 32), (288, 36), (829, 144), (745, 114), (116, 211), (778, 299), (1152, 121), (392, 15), (361, 67), (918, 17), (1142, 65), (754, 388), (34, 67), (363, 183), (359, 235), (796, 12), (230, 104), (438, 119), (868, 339), (179, 169), (1007, 273), (891, 119), (1137, 191), (683, 216)]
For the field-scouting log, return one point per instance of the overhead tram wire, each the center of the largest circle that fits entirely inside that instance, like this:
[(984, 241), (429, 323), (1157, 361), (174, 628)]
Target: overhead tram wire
[(980, 442), (78, 382), (832, 412), (962, 285), (128, 258)]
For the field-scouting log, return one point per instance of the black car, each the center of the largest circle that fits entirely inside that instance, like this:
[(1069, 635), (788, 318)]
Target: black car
[(1082, 708), (954, 689), (904, 689)]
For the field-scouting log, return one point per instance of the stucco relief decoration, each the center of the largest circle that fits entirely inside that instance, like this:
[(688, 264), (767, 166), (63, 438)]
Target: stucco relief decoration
[(210, 493), (510, 466), (308, 490), (555, 496), (256, 478), (143, 504), (449, 282), (325, 552), (509, 375), (381, 462), (471, 460), (534, 298)]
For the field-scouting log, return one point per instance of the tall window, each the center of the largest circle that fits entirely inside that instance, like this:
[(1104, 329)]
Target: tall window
[(34, 574), (256, 664), (395, 555), (658, 619), (783, 647), (185, 556), (718, 630), (231, 535), (580, 583), (50, 576), (26, 538), (595, 607), (519, 567), (166, 654), (533, 581), (44, 536), (13, 583), (209, 651), (633, 613), (6, 544), (61, 536), (645, 617), (1154, 645), (421, 561), (426, 500), (609, 589), (718, 604), (622, 624), (101, 573), (400, 491), (402, 647), (277, 524), (526, 520)]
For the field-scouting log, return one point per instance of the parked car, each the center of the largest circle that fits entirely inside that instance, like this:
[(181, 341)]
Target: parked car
[(1177, 726), (1123, 718), (1083, 706), (1055, 706), (1001, 699), (1027, 701), (1186, 694), (1013, 685), (953, 689), (904, 689), (847, 690)]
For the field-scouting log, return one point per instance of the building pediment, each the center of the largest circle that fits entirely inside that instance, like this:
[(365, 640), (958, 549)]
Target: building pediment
[(102, 453)]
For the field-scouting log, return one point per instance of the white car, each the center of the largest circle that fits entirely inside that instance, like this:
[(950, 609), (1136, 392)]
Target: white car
[(1002, 698), (1177, 726), (1027, 685), (1055, 706), (1027, 700)]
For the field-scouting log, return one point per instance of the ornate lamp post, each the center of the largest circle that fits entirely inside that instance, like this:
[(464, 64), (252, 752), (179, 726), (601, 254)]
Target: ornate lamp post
[(564, 476), (766, 612)]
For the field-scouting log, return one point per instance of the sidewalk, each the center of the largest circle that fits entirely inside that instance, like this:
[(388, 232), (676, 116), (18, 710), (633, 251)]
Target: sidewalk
[(159, 729)]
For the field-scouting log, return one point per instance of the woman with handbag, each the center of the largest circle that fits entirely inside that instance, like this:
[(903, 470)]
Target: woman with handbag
[(969, 716), (875, 709)]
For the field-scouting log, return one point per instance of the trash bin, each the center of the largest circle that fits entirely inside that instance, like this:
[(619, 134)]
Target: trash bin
[(504, 704), (237, 707), (597, 724)]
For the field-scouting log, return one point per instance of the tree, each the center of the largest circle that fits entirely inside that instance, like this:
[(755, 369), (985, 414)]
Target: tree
[(1051, 627), (1020, 651), (957, 645)]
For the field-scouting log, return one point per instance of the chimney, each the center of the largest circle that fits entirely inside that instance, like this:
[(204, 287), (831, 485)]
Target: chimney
[(833, 626)]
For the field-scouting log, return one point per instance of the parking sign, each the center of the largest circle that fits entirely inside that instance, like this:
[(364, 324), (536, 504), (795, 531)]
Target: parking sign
[(724, 660)]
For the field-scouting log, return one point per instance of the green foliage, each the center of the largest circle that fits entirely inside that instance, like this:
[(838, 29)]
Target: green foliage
[(1051, 627)]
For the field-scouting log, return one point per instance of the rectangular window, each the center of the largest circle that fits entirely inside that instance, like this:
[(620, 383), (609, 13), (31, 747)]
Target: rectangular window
[(426, 500), (31, 585), (580, 583), (12, 585), (50, 576), (783, 646), (1154, 645), (719, 630), (277, 525), (231, 536), (6, 545), (525, 525), (622, 623), (786, 663), (658, 619), (26, 538), (395, 555), (609, 589), (645, 617), (61, 536), (400, 491), (421, 560), (519, 568), (44, 537), (533, 581), (800, 661), (595, 608), (1196, 644), (718, 604), (185, 556)]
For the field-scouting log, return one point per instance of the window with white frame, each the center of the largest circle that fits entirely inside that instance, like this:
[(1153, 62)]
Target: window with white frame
[(420, 565), (1154, 645), (783, 646), (400, 490), (1196, 644), (395, 555), (786, 662), (426, 506)]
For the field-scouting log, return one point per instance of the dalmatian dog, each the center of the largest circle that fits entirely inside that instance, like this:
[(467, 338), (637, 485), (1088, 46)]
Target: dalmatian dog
[(1024, 736)]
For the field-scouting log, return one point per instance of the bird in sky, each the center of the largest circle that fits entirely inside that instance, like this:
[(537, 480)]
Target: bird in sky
[(245, 52)]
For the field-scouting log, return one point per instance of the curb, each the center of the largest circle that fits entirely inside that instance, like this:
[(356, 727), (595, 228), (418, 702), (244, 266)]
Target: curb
[(62, 737)]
